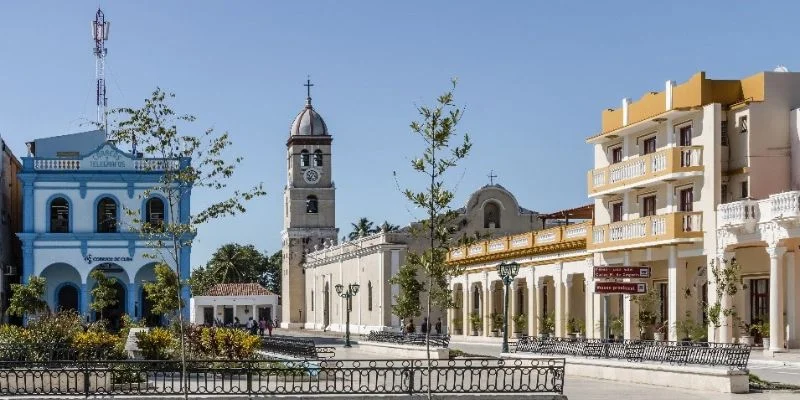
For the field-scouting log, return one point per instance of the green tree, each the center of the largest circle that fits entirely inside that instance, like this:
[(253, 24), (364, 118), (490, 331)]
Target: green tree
[(362, 227), (271, 274), (388, 227), (104, 294), (27, 298), (407, 303), (236, 263), (437, 130), (161, 291), (201, 280), (184, 163)]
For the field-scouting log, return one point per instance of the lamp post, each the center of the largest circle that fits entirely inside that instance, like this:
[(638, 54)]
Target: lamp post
[(507, 273), (348, 294)]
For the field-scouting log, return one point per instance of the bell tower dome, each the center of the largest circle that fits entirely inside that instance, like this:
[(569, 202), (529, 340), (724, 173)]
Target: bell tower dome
[(308, 206)]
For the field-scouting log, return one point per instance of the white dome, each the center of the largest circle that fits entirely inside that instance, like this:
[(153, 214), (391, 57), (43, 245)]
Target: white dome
[(308, 123)]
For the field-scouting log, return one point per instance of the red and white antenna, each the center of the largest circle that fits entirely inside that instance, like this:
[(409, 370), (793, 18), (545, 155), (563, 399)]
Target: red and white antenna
[(100, 35)]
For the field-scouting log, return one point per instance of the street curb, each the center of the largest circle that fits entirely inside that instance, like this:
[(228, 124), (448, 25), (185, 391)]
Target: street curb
[(775, 363)]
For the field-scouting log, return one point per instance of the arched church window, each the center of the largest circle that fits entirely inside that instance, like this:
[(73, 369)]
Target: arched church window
[(317, 158), (154, 212), (491, 215), (369, 296), (59, 215), (311, 204), (304, 158), (106, 215)]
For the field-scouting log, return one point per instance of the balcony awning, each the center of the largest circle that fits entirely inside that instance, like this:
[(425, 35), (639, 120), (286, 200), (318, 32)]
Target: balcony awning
[(582, 212)]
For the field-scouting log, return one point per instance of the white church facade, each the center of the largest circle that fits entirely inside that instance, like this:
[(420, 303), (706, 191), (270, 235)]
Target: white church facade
[(78, 194)]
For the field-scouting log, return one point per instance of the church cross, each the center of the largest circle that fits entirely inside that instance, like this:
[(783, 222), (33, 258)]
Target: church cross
[(491, 177), (308, 86)]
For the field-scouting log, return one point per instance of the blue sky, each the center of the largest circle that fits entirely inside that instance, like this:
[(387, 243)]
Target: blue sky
[(534, 77)]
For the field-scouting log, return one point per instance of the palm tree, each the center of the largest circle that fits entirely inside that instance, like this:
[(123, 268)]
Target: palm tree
[(387, 227), (233, 263), (361, 228)]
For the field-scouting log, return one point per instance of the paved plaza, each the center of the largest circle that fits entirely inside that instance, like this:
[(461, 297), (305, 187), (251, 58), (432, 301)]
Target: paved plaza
[(783, 368)]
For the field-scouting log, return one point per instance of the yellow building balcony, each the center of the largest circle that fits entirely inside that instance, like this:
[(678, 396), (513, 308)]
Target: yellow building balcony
[(560, 238), (656, 230), (640, 171)]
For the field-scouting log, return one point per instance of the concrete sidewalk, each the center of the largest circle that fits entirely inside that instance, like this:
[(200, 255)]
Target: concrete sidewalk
[(788, 358)]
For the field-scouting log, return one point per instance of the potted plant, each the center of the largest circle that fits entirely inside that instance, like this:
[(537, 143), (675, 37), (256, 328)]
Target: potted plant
[(699, 333), (580, 328), (660, 331), (497, 323), (616, 326), (475, 322), (457, 327), (547, 325), (745, 337), (763, 329), (684, 328), (574, 327), (520, 325)]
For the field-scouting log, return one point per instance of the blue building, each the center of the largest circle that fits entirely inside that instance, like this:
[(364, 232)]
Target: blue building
[(78, 191)]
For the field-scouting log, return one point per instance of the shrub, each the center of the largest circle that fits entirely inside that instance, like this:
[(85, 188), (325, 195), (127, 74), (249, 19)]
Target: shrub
[(225, 343), (94, 344), (155, 344), (55, 330)]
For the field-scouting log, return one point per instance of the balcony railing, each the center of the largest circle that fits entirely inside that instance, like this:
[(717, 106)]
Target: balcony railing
[(747, 212), (524, 241), (639, 169), (675, 227)]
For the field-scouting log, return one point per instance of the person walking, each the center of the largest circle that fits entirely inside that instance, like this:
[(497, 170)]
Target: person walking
[(438, 326), (269, 326), (261, 326), (424, 325)]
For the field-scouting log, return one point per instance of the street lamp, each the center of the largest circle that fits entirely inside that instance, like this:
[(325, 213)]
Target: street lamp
[(351, 291), (507, 272)]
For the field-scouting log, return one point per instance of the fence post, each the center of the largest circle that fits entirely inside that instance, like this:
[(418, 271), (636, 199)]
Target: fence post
[(411, 378), (249, 367), (85, 380)]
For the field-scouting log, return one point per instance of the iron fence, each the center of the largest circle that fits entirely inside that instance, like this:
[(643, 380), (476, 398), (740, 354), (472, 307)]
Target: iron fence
[(415, 339), (733, 356), (49, 352), (258, 377), (296, 347)]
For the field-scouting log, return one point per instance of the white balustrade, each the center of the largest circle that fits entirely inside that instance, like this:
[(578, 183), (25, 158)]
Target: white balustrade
[(785, 205), (497, 246), (692, 222), (598, 235), (547, 237), (658, 162), (691, 156), (742, 212), (519, 242), (598, 177), (658, 225), (575, 231), (56, 165), (476, 249), (457, 253), (628, 170)]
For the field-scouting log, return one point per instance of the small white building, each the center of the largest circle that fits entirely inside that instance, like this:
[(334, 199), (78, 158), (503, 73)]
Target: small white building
[(225, 302)]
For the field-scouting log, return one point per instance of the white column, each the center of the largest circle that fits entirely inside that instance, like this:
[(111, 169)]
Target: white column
[(791, 303), (532, 293), (512, 306), (558, 287), (776, 328), (487, 307), (629, 308), (540, 313), (567, 289), (676, 284), (465, 306), (726, 302)]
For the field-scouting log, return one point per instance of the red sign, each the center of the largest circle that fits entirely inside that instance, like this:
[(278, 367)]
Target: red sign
[(620, 287), (621, 272)]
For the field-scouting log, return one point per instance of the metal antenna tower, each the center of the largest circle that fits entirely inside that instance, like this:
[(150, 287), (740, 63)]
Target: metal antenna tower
[(100, 35)]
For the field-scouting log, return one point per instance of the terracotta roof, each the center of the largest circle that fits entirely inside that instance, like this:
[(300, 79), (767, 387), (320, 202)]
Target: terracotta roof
[(238, 289)]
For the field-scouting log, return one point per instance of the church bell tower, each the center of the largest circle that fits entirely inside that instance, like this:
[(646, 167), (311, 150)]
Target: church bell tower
[(308, 207)]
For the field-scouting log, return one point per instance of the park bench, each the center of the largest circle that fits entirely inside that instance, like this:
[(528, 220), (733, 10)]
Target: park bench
[(416, 339), (296, 348)]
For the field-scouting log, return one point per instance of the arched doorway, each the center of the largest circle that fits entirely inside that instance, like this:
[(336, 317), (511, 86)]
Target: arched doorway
[(326, 309), (148, 317), (67, 298), (113, 314)]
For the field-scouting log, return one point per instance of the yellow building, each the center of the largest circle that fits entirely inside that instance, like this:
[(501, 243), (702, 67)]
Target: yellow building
[(675, 182)]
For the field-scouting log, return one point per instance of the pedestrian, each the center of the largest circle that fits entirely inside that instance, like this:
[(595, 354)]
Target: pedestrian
[(262, 324), (438, 326), (269, 326), (424, 325), (410, 328)]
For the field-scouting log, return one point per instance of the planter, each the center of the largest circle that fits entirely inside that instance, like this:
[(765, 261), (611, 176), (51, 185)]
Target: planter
[(474, 332), (765, 342), (747, 339), (658, 336), (519, 334)]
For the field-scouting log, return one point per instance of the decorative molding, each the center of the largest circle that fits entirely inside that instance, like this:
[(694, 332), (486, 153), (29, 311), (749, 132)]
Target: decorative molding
[(776, 251), (554, 248)]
